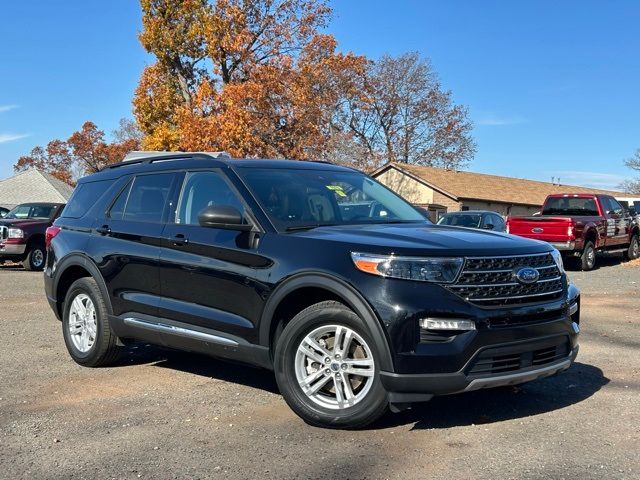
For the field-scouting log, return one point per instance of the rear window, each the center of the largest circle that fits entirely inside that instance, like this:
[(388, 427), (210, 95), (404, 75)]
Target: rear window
[(570, 206), (84, 197), (144, 199), (464, 220)]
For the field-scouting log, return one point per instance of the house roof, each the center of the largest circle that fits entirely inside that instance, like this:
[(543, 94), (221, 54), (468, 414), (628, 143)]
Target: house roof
[(480, 186), (33, 185)]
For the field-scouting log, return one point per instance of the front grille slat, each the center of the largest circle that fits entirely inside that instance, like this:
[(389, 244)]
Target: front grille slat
[(491, 281), (491, 362)]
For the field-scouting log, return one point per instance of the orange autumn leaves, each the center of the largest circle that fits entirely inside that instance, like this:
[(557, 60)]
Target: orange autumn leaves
[(254, 79)]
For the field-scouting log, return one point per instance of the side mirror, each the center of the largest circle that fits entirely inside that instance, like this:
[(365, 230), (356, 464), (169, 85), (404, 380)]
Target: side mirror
[(489, 226), (224, 217)]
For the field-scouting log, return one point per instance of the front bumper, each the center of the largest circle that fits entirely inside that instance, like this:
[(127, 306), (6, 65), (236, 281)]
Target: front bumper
[(12, 249), (406, 388)]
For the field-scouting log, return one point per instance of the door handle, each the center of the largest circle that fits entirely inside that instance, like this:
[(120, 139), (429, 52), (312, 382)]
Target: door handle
[(179, 240), (104, 230)]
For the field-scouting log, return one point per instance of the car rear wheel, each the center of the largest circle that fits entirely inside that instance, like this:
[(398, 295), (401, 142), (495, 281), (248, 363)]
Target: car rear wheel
[(327, 370), (634, 249), (36, 256), (85, 325), (588, 257)]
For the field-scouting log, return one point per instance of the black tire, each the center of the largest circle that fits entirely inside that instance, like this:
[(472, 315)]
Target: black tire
[(104, 350), (372, 405), (588, 257), (634, 249), (36, 258)]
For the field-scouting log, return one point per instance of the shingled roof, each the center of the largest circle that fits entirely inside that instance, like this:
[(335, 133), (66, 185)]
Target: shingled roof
[(491, 188), (33, 186)]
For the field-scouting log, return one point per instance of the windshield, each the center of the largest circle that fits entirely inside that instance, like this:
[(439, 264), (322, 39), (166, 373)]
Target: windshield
[(297, 199), (23, 212), (461, 220), (570, 206)]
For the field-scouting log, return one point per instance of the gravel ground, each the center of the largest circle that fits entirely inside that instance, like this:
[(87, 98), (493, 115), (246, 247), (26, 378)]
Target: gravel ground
[(163, 414)]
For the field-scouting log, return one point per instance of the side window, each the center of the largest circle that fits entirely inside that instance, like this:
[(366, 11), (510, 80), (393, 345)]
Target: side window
[(498, 222), (201, 190), (146, 199), (117, 209), (84, 197), (615, 206)]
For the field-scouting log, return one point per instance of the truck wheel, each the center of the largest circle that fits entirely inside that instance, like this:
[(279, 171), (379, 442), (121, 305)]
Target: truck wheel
[(588, 257), (634, 249), (85, 325), (36, 257), (326, 366)]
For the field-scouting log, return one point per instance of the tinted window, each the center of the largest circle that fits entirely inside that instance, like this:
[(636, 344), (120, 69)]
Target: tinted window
[(201, 190), (461, 220), (32, 211), (301, 198), (570, 206), (614, 206), (146, 200), (84, 197), (117, 209)]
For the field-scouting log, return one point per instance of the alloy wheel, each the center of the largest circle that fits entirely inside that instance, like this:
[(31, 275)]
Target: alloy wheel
[(334, 367), (83, 324)]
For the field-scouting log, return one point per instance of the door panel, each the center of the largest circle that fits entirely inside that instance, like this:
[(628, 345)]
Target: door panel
[(127, 239), (209, 277)]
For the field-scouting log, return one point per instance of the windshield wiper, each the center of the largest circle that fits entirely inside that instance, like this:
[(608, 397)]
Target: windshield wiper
[(294, 228)]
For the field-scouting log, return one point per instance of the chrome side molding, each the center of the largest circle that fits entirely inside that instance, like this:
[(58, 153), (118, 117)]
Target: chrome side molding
[(180, 331)]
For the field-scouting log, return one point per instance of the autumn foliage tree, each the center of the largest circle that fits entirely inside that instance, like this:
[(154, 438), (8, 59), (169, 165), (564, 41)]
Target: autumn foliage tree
[(85, 151), (258, 78)]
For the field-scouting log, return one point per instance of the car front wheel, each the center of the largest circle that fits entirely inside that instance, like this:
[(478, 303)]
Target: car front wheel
[(36, 256), (327, 369)]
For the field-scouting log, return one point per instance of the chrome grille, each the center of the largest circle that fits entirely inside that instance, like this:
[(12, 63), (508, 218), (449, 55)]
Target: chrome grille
[(491, 280), (4, 232)]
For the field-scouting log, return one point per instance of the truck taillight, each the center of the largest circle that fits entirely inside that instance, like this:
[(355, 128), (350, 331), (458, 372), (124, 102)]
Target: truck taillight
[(570, 231), (507, 228), (50, 234)]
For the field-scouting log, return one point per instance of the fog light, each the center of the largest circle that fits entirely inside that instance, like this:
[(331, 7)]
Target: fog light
[(573, 309), (447, 324)]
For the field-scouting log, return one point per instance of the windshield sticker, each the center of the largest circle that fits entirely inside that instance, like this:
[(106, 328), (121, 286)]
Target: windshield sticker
[(337, 189)]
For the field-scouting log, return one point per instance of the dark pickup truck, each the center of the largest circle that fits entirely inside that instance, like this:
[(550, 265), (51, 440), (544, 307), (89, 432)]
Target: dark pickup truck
[(581, 225), (22, 233)]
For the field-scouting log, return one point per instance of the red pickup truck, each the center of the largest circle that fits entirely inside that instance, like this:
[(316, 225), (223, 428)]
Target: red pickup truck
[(581, 225), (22, 233)]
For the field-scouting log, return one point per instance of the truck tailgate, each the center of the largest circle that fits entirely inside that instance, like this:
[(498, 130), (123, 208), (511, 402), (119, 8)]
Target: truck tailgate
[(548, 229)]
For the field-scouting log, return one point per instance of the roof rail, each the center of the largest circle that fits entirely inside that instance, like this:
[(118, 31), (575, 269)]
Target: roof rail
[(138, 156), (141, 154)]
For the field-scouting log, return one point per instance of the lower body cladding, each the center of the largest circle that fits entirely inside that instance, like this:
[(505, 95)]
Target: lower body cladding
[(494, 355)]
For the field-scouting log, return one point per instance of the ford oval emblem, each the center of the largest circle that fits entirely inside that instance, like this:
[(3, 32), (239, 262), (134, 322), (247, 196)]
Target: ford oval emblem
[(527, 275), (537, 230)]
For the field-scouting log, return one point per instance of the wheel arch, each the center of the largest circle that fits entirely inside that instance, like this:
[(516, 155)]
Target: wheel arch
[(335, 289), (72, 268)]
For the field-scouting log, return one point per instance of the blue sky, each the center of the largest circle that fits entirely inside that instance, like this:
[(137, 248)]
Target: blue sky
[(552, 87)]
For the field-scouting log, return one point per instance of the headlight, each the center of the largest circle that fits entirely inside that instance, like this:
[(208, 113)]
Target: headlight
[(16, 233), (423, 269), (557, 257)]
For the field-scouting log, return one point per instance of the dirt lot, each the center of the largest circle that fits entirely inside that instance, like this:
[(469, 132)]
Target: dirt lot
[(163, 414)]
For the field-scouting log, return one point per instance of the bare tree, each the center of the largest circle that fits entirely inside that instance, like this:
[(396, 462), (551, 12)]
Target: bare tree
[(632, 185), (403, 114)]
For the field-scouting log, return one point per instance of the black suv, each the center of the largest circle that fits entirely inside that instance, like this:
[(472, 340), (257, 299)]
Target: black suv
[(313, 270)]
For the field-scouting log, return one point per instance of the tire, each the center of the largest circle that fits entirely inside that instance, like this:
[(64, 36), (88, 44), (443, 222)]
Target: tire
[(100, 348), (588, 257), (634, 249), (36, 258), (368, 400)]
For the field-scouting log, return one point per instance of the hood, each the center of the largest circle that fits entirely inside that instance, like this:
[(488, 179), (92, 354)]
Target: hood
[(426, 239), (18, 223)]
